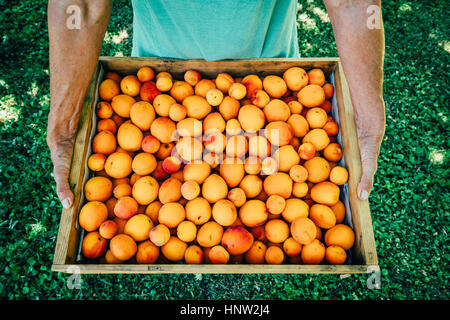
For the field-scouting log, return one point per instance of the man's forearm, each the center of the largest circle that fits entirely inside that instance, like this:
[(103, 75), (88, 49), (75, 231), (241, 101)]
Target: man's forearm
[(362, 53), (73, 57)]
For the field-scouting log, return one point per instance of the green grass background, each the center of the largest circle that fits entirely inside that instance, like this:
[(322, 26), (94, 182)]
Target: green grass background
[(409, 203)]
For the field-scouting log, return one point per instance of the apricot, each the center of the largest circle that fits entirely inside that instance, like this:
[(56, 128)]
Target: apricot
[(340, 235), (196, 107), (149, 91), (274, 86), (218, 255), (147, 253), (307, 151), (251, 118), (120, 224), (171, 165), (237, 146), (335, 255), (229, 108), (296, 78), (311, 96), (313, 253), (291, 247), (316, 76), (122, 104), (145, 74), (174, 249), (198, 210), (162, 104), (113, 76), (177, 112), (274, 255), (164, 84), (144, 163), (187, 231), (110, 259), (181, 90), (232, 171), (189, 127), (126, 207), (193, 255), (294, 209), (252, 83), (316, 117), (170, 190), (159, 235), (104, 110), (325, 193), (339, 175), (298, 173), (339, 211), (123, 247), (300, 189), (303, 230), (171, 214), (260, 98), (203, 86), (93, 245), (237, 240), (276, 230), (237, 91), (197, 171), (129, 137), (189, 149), (259, 146), (252, 185), (252, 165), (275, 204), (118, 165), (209, 234), (130, 85), (192, 77), (138, 227), (96, 161), (92, 215), (237, 197), (331, 128), (318, 138), (279, 133), (224, 212), (98, 189), (108, 229), (223, 82), (110, 203), (122, 190), (279, 183), (165, 150), (107, 125), (108, 89), (269, 166), (329, 90), (322, 216), (214, 188), (213, 122), (214, 96), (145, 190), (150, 144), (277, 110), (118, 120), (253, 213), (104, 142), (286, 157), (256, 253), (152, 210), (163, 129), (318, 169)]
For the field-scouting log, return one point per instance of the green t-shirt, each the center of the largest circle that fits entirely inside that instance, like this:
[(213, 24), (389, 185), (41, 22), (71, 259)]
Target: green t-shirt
[(215, 29)]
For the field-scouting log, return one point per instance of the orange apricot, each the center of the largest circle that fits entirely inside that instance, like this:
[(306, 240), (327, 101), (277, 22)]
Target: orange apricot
[(276, 230), (303, 230), (198, 210), (145, 190), (274, 86), (138, 227), (318, 169), (193, 255), (335, 255), (260, 98), (223, 82), (92, 215), (192, 77), (313, 253), (279, 183), (237, 197), (253, 213), (296, 78), (130, 85), (196, 106), (291, 247), (98, 189), (256, 253), (277, 110), (237, 91), (181, 90), (300, 189), (316, 76), (318, 138), (252, 185), (294, 209), (163, 129), (93, 245), (108, 229), (329, 90), (104, 142), (186, 231), (224, 212), (275, 204), (322, 216), (299, 125), (311, 96), (229, 108), (214, 188), (251, 118), (107, 125), (339, 211), (145, 74), (316, 117), (274, 255), (171, 214), (118, 165), (203, 86), (123, 247), (174, 249), (339, 175), (325, 193), (218, 255), (147, 252), (122, 190), (209, 234), (108, 89), (340, 235), (279, 133), (129, 137), (237, 240), (306, 151), (96, 161)]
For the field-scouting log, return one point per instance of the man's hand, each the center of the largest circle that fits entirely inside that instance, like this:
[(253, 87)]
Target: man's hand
[(74, 54), (361, 50)]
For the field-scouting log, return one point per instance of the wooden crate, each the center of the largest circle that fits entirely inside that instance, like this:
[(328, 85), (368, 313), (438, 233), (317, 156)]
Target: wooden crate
[(363, 254)]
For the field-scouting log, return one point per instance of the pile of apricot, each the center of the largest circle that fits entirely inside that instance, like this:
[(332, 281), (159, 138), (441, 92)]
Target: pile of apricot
[(221, 170)]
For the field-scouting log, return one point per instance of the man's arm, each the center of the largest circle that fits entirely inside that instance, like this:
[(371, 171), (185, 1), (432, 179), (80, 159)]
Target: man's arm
[(362, 53), (73, 56)]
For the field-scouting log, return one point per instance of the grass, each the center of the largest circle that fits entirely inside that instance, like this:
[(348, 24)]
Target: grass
[(409, 203)]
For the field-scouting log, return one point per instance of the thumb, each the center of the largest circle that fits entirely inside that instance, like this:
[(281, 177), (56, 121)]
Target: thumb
[(65, 195), (369, 167)]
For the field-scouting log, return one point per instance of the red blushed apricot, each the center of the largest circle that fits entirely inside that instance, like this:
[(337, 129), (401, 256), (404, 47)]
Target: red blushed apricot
[(252, 83), (93, 245), (260, 98), (104, 110), (237, 240), (306, 151), (150, 144), (149, 91), (192, 77)]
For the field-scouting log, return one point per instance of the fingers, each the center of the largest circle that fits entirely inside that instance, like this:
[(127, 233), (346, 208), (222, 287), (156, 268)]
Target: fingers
[(61, 175), (369, 167)]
